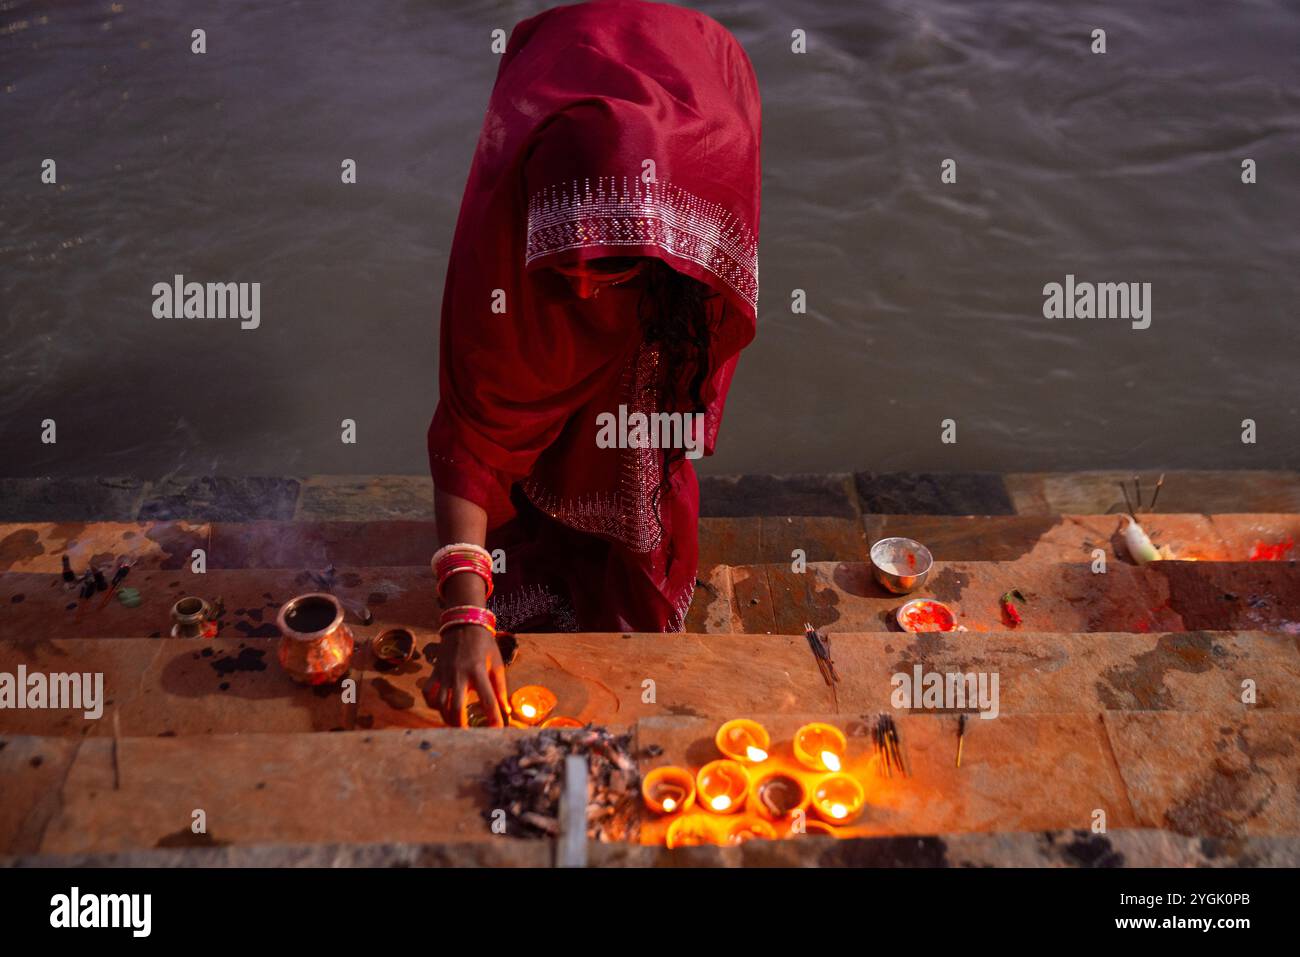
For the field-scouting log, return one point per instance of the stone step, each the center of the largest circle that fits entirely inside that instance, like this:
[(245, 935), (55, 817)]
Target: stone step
[(1209, 776), (1162, 596), (40, 546), (847, 495), (174, 687), (1118, 847)]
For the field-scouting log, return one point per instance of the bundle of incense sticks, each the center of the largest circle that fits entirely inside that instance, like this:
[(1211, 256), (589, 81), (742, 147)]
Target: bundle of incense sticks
[(888, 746), (821, 649)]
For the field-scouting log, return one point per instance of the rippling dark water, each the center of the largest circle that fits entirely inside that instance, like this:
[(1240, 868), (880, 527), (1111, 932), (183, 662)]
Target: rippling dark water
[(925, 300)]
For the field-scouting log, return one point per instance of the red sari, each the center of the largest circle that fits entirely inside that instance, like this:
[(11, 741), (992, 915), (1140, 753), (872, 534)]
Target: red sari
[(615, 129)]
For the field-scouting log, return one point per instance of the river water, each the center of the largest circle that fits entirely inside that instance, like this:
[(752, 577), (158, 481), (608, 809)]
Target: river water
[(925, 299)]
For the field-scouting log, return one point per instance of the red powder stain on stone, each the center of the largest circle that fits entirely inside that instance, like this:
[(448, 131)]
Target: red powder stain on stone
[(1264, 552)]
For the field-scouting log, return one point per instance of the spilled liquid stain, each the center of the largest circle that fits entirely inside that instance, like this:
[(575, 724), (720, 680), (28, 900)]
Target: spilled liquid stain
[(249, 659), (393, 696), (1141, 687)]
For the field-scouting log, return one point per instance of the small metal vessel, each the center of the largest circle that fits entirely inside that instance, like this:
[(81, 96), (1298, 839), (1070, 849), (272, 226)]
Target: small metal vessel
[(315, 645), (190, 617), (901, 565)]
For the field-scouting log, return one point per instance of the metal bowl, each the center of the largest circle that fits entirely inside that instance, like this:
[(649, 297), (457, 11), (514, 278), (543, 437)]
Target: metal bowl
[(901, 565)]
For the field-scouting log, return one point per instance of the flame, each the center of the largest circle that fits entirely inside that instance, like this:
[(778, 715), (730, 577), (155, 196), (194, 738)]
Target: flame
[(669, 804), (755, 754), (831, 760), (721, 802), (838, 810), (528, 711)]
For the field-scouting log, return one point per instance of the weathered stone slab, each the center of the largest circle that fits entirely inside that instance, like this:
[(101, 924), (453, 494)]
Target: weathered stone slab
[(69, 499), (1162, 596), (220, 499), (724, 540), (424, 786), (31, 774), (933, 493), (1258, 537), (1122, 847), (225, 686), (366, 497), (175, 687), (1045, 539), (819, 539), (1001, 785), (732, 496), (40, 546), (252, 599), (317, 544), (1210, 775), (1207, 492)]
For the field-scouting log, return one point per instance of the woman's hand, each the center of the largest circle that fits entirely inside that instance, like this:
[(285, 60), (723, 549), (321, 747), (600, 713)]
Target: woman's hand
[(468, 656)]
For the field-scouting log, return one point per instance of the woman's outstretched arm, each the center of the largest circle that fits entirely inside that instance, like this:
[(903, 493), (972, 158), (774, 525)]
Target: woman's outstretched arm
[(468, 654)]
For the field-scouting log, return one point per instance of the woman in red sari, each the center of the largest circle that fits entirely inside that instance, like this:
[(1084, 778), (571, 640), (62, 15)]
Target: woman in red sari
[(605, 263)]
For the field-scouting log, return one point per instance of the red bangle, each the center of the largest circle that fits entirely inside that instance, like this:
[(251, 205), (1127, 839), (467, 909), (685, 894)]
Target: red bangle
[(468, 615), (456, 566)]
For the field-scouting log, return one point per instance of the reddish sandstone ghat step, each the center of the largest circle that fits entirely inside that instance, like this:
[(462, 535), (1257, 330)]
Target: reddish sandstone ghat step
[(1163, 596), (1207, 775), (40, 546), (174, 687)]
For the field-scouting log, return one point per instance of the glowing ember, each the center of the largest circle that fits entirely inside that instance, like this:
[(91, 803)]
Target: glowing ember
[(831, 760), (721, 802), (755, 754)]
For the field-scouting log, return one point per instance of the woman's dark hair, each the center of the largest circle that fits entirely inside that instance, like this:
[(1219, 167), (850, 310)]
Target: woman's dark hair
[(674, 314)]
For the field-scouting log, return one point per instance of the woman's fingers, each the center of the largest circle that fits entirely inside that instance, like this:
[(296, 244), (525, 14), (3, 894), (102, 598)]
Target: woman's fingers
[(487, 699), (455, 715), (497, 674)]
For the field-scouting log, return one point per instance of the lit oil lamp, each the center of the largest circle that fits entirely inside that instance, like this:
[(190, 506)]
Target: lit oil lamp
[(838, 798), (690, 831), (562, 721), (668, 790), (531, 704), (821, 747), (813, 828), (721, 786), (743, 740), (778, 795), (750, 829)]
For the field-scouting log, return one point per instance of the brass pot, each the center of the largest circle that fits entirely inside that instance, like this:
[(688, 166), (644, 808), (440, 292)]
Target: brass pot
[(315, 644), (189, 617)]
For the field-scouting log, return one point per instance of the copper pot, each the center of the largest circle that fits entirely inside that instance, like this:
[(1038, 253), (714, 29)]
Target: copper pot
[(315, 644)]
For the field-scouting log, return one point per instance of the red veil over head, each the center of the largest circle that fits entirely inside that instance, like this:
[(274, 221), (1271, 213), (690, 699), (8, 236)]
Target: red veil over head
[(615, 128)]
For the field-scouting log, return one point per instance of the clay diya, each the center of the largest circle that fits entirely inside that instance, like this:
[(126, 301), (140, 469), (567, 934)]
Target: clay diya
[(721, 786), (690, 831), (777, 795), (393, 647), (815, 828), (743, 740), (820, 746), (316, 646), (562, 721), (531, 704), (748, 829), (668, 790), (838, 798)]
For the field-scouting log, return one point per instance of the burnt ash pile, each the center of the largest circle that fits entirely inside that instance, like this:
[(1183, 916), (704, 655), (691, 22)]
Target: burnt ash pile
[(528, 784)]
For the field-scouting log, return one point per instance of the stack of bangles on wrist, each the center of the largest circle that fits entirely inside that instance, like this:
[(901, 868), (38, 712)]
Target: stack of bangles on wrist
[(459, 559)]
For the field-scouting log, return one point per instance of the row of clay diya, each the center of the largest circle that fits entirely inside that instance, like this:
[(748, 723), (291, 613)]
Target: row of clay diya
[(747, 780)]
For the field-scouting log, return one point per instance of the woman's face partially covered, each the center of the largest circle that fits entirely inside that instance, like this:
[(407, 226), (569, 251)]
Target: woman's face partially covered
[(589, 277)]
